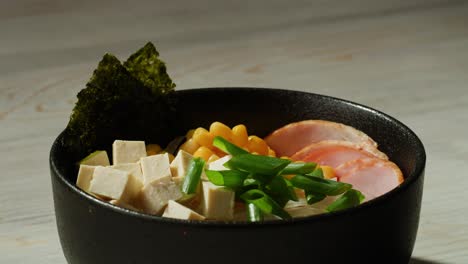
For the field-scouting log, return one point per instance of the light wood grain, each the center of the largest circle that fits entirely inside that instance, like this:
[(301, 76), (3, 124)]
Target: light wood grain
[(406, 58)]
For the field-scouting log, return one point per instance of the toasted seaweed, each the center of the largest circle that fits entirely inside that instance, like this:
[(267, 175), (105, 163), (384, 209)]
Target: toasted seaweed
[(119, 104), (146, 66)]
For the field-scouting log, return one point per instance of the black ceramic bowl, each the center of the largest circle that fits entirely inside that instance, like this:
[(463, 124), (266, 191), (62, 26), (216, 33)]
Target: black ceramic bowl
[(380, 231)]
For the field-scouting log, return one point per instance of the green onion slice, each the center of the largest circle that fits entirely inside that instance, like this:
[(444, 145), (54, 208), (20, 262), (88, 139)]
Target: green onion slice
[(229, 178), (228, 147), (350, 199), (318, 185), (254, 214), (279, 190), (299, 168), (193, 175), (257, 164), (292, 190), (312, 197), (265, 203), (318, 172)]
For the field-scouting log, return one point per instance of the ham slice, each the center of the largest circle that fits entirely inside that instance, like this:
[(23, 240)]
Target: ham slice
[(334, 153), (372, 176), (291, 138)]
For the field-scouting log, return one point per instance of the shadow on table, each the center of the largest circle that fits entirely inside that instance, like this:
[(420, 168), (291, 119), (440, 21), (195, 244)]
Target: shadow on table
[(424, 261)]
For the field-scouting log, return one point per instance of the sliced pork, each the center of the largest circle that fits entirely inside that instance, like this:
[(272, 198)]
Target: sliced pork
[(334, 153), (372, 176), (291, 138)]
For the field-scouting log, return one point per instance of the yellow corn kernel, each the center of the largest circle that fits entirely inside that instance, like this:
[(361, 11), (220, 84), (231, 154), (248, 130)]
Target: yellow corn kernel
[(271, 152), (240, 136), (189, 134), (258, 145), (190, 146), (220, 129), (213, 158), (203, 152), (328, 172), (153, 149), (203, 137)]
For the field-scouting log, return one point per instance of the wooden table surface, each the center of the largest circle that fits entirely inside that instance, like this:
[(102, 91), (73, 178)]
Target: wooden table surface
[(406, 58)]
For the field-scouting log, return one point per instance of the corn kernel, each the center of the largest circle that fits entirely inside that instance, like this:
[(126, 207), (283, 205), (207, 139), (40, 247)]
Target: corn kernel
[(258, 145), (239, 135), (220, 129), (271, 152), (328, 172), (190, 146), (203, 152), (213, 158), (153, 149), (189, 134), (203, 137)]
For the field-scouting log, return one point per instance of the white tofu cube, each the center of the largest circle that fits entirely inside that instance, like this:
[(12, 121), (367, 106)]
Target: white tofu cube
[(122, 204), (126, 151), (97, 158), (156, 167), (132, 168), (176, 210), (85, 175), (180, 164), (114, 184), (217, 202), (218, 164), (155, 196)]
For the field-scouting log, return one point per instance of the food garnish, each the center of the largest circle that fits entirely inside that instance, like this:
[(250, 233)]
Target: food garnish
[(116, 99)]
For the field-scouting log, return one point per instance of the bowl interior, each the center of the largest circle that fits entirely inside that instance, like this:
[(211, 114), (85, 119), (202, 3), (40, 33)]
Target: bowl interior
[(264, 110)]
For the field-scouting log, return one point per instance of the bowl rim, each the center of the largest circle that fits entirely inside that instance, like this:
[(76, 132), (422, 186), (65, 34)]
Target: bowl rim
[(409, 180)]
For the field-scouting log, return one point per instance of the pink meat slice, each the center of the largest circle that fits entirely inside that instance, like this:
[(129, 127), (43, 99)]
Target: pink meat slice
[(372, 176), (334, 153), (291, 138)]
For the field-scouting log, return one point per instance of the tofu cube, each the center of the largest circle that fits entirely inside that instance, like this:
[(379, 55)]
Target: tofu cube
[(97, 158), (122, 204), (155, 196), (115, 184), (156, 167), (176, 210), (218, 165), (126, 151), (180, 164), (85, 175), (217, 202), (132, 168)]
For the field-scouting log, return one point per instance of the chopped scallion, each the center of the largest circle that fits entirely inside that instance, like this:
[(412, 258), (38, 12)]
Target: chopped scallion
[(312, 197), (299, 168), (227, 147), (193, 175), (350, 199), (229, 178), (257, 164), (318, 185), (265, 203), (318, 172), (254, 214)]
